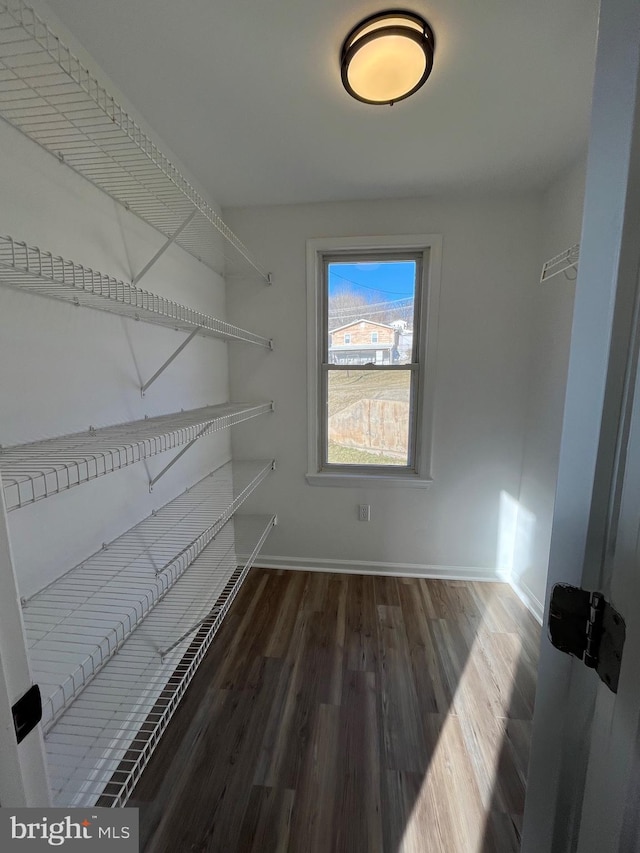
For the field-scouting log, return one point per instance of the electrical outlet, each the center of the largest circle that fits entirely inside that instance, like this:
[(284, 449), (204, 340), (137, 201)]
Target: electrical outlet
[(364, 512)]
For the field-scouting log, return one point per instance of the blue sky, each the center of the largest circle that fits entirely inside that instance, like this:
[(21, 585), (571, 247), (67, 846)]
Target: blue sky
[(377, 282)]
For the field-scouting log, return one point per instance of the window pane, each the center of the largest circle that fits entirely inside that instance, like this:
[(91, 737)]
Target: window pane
[(368, 417), (370, 311)]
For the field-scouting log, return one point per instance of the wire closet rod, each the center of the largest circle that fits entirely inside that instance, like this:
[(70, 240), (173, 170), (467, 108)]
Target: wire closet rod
[(561, 263), (47, 94)]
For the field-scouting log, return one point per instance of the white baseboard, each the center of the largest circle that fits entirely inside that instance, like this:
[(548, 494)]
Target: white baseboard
[(364, 567), (416, 570), (530, 601)]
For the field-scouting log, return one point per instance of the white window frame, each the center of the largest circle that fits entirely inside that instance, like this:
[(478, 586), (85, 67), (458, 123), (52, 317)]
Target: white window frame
[(430, 247), (374, 337), (345, 339)]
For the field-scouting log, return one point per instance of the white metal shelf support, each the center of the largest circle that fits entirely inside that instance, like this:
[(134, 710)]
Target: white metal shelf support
[(35, 471), (34, 270), (47, 94), (163, 249), (154, 480), (229, 591), (561, 263), (194, 547), (166, 364)]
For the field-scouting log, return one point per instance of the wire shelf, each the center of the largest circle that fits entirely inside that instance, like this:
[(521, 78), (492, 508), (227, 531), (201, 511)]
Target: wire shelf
[(32, 472), (98, 749), (46, 93), (36, 271), (78, 622), (561, 263)]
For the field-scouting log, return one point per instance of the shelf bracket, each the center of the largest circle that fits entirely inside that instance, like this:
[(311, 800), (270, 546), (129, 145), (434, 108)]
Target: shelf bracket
[(211, 616), (163, 249), (228, 594), (175, 354), (178, 456)]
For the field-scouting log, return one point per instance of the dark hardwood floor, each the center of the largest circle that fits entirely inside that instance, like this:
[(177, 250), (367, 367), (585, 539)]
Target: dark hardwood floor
[(351, 713)]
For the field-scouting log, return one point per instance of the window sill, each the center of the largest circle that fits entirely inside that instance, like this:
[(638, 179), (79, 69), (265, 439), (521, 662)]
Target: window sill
[(363, 481)]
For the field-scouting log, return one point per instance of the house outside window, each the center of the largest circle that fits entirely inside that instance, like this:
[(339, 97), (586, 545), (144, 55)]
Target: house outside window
[(370, 398), (357, 347)]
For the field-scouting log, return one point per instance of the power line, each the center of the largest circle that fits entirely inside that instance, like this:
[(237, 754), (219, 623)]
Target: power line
[(345, 318), (349, 315), (387, 303), (358, 284)]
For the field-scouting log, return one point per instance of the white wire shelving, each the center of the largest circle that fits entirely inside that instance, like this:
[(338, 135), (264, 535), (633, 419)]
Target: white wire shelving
[(46, 93), (34, 471), (561, 263), (36, 271), (99, 747), (114, 642), (78, 622)]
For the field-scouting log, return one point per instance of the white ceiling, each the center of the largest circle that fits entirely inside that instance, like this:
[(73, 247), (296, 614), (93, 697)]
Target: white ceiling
[(247, 93)]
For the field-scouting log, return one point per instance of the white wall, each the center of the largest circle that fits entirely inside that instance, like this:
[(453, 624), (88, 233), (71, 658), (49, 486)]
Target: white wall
[(551, 308), (490, 263), (581, 731), (64, 368)]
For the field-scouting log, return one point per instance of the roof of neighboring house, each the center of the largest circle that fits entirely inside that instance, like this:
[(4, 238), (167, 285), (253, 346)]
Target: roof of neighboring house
[(353, 348), (357, 323)]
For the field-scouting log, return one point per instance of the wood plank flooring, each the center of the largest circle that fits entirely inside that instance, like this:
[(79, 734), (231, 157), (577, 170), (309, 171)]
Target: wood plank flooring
[(351, 714)]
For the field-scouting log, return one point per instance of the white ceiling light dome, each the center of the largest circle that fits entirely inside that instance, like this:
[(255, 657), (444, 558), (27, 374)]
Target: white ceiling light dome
[(387, 57)]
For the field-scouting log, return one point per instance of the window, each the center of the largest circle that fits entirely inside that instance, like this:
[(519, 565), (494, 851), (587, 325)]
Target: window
[(370, 408)]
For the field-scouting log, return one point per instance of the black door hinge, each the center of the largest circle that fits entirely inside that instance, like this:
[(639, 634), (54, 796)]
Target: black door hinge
[(27, 712), (584, 624)]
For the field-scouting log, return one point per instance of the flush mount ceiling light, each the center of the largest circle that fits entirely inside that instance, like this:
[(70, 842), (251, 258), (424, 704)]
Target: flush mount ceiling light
[(387, 57)]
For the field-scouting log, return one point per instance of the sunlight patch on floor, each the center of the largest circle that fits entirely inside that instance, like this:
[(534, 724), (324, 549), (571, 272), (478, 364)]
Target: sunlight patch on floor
[(459, 788)]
